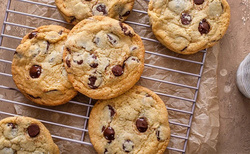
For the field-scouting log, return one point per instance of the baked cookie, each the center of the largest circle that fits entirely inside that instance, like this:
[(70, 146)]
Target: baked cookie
[(103, 57), (188, 26), (25, 135), (37, 67), (135, 122), (76, 10)]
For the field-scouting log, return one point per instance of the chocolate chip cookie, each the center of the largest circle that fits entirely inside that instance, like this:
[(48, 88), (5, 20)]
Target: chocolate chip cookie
[(135, 122), (38, 69), (187, 26), (25, 135), (76, 10), (103, 57)]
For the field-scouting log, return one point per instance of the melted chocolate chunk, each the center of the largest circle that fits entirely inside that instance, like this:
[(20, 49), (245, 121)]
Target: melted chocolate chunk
[(33, 130), (128, 146), (54, 90), (68, 63), (185, 19), (35, 71), (111, 39), (158, 135), (142, 124), (204, 27), (117, 70), (92, 80), (80, 62), (60, 32), (109, 133), (94, 65), (147, 95), (103, 128), (48, 44), (184, 48), (94, 56), (198, 2), (105, 151), (126, 14), (126, 30), (12, 125), (102, 8), (34, 97), (32, 35), (68, 49), (134, 48), (112, 110)]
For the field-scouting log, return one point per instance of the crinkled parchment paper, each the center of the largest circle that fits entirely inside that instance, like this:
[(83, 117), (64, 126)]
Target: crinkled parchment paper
[(205, 126)]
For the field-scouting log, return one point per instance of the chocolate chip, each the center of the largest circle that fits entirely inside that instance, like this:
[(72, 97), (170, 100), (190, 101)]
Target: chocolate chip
[(60, 32), (32, 35), (33, 130), (105, 151), (125, 29), (126, 13), (147, 95), (94, 56), (142, 124), (12, 125), (158, 135), (80, 62), (103, 128), (185, 19), (184, 48), (94, 65), (68, 49), (198, 2), (35, 71), (68, 63), (135, 59), (92, 80), (134, 48), (204, 27), (111, 39), (34, 97), (15, 53), (48, 44), (102, 8), (109, 133), (73, 19), (112, 111), (117, 70), (128, 146)]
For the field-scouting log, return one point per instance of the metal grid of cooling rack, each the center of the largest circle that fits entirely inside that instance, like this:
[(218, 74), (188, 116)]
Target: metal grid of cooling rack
[(89, 105)]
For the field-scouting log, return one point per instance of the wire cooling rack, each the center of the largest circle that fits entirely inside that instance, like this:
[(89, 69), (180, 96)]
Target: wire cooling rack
[(7, 86)]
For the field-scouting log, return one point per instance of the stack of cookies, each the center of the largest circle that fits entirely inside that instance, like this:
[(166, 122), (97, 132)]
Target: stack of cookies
[(103, 58)]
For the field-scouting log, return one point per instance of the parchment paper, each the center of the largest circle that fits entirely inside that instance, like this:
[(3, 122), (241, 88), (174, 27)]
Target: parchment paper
[(205, 126)]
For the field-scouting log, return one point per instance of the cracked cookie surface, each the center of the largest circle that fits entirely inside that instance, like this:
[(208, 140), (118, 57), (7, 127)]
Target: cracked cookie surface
[(25, 135), (76, 10), (188, 26), (38, 69), (103, 57), (135, 122)]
